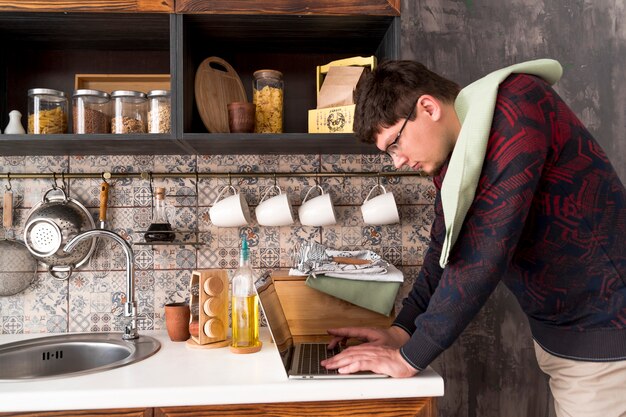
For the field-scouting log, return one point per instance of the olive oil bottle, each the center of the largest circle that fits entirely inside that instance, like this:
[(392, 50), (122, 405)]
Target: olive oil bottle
[(245, 305)]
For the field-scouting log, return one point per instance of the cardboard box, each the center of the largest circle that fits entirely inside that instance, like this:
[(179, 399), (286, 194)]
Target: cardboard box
[(339, 119), (332, 119)]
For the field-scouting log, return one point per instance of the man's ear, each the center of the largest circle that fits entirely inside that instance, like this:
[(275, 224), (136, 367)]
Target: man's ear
[(429, 106)]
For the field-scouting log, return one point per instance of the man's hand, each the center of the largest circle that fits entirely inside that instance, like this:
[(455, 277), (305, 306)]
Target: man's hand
[(380, 353), (392, 336), (367, 357)]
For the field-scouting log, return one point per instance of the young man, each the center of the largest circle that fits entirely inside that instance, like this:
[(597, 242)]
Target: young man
[(547, 217)]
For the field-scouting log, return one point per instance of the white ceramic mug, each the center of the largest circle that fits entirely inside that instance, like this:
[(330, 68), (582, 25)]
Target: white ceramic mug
[(231, 211), (276, 210), (381, 209), (318, 211)]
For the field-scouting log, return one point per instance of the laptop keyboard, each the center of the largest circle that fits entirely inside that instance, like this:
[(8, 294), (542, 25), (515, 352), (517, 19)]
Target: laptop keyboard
[(312, 354)]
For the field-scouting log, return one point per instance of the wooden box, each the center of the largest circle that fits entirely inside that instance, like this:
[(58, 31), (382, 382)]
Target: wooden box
[(112, 82), (310, 312)]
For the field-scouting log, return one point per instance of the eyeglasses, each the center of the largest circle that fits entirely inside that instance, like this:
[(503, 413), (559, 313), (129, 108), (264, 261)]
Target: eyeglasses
[(393, 148)]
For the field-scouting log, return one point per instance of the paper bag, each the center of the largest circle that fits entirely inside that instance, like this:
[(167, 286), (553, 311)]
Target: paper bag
[(338, 86)]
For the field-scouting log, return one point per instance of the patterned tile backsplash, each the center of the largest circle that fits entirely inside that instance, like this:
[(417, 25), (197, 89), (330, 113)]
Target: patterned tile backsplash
[(92, 298)]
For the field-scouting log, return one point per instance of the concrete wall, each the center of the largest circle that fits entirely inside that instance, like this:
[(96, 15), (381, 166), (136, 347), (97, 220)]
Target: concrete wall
[(491, 369)]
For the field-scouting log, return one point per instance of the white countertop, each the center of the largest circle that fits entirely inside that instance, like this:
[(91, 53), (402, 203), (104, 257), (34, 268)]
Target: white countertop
[(177, 375)]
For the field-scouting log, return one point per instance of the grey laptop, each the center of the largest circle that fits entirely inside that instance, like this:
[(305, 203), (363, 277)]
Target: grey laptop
[(301, 360)]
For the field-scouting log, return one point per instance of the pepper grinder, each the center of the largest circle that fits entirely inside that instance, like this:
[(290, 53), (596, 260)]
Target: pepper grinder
[(15, 124)]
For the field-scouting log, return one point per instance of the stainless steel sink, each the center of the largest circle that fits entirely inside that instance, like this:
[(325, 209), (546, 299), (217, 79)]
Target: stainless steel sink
[(71, 354)]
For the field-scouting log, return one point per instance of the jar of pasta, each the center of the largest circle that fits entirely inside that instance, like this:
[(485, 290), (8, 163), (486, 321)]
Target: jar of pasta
[(159, 111), (267, 94), (47, 111), (129, 112), (90, 111)]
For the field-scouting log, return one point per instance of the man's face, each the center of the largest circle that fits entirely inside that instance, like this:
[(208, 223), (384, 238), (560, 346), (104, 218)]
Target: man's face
[(424, 143)]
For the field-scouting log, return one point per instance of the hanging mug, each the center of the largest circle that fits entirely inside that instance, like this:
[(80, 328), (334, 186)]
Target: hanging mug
[(319, 210), (276, 210), (380, 210), (231, 211)]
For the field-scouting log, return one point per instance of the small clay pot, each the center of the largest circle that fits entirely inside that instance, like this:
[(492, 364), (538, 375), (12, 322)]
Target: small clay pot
[(241, 117), (177, 321)]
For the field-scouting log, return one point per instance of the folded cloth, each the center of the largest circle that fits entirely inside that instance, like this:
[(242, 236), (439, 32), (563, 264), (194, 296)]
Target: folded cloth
[(372, 295), (390, 274), (376, 270), (474, 106)]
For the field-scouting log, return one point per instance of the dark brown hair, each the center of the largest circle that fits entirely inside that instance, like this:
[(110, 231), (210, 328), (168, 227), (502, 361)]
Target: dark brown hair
[(386, 95)]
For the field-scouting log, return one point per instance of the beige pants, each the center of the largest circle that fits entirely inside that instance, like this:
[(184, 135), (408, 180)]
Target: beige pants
[(585, 389)]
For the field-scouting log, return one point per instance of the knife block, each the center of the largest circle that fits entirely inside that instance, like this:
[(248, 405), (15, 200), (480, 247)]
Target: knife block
[(208, 303)]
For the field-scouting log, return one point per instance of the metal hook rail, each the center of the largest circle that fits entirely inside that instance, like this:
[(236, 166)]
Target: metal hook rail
[(197, 175)]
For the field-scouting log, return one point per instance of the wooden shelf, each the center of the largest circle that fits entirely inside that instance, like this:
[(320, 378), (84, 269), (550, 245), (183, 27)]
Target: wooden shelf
[(140, 144), (286, 143), (192, 144), (163, 6), (248, 35), (291, 7)]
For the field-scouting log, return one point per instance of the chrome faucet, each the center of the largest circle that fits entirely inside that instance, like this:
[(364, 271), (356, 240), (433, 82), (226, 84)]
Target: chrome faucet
[(130, 306)]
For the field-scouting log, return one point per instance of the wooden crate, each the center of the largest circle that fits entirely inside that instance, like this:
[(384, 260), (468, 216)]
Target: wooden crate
[(112, 82), (310, 312)]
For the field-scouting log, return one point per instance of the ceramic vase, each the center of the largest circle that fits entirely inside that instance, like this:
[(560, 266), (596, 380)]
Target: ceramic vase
[(177, 321)]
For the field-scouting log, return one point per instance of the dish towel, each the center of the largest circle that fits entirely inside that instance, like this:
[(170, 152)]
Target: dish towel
[(377, 296), (474, 106), (377, 270)]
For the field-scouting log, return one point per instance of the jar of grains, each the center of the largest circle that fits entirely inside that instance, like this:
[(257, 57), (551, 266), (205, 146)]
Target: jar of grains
[(129, 112), (90, 111), (47, 111), (159, 111), (267, 94)]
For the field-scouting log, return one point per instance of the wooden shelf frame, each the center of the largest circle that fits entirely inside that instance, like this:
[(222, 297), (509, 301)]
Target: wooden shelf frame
[(176, 44)]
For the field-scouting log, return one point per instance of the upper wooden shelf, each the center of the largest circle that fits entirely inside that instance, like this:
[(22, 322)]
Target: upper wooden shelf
[(291, 7), (267, 7), (107, 6)]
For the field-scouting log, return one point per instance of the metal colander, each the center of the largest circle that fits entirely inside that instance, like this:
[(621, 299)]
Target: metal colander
[(50, 225)]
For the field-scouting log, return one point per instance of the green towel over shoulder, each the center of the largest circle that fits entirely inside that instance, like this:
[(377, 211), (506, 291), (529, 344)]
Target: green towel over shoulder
[(474, 106)]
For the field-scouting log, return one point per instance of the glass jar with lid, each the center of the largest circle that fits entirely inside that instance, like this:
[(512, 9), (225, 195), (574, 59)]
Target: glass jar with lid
[(47, 111), (267, 94), (129, 112), (159, 111), (90, 111)]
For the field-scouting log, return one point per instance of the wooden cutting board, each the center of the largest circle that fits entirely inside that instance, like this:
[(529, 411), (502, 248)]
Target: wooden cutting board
[(217, 84)]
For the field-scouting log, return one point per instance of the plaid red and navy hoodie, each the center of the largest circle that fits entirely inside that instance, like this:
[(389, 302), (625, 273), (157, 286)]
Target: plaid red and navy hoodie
[(548, 219)]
